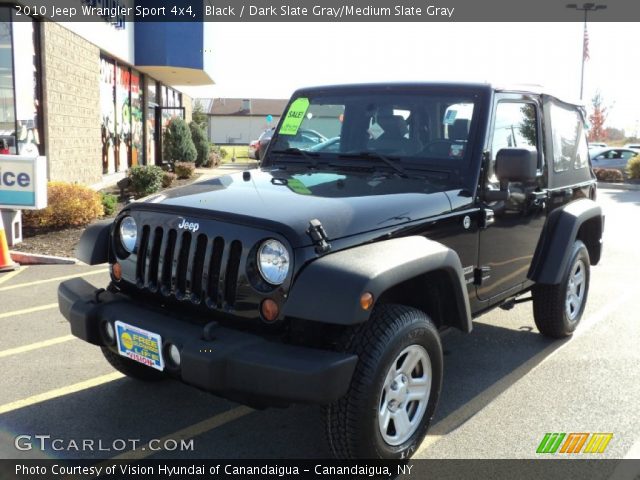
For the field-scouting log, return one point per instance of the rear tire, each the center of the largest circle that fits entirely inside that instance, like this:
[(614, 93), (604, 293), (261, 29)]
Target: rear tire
[(132, 369), (394, 390), (558, 309)]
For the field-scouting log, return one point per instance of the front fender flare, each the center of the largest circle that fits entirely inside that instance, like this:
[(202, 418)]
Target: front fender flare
[(93, 247), (328, 290)]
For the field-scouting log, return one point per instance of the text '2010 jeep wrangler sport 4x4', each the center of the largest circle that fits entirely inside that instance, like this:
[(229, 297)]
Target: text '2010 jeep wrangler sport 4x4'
[(380, 215)]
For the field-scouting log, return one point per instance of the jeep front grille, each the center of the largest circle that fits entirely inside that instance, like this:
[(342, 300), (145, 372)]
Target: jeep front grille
[(189, 266)]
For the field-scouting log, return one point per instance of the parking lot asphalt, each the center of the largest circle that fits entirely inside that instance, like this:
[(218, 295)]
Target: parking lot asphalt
[(505, 385)]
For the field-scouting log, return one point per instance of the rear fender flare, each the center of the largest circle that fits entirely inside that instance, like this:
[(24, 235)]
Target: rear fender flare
[(560, 231)]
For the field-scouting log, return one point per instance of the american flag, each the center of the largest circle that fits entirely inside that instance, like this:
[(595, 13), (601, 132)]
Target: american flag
[(585, 44)]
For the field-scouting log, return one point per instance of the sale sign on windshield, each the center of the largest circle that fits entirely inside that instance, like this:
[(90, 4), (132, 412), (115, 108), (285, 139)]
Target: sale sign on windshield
[(294, 117), (23, 182)]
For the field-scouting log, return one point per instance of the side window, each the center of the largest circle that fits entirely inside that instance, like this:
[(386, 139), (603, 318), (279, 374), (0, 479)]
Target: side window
[(582, 154), (516, 126), (570, 149)]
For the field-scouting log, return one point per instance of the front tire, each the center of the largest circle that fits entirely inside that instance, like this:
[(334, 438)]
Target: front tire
[(558, 309), (130, 368), (394, 390)]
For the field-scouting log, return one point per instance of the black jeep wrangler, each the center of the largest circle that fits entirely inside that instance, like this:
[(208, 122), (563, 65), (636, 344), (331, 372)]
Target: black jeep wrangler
[(326, 275)]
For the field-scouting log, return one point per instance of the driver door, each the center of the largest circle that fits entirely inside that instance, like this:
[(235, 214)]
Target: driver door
[(511, 227)]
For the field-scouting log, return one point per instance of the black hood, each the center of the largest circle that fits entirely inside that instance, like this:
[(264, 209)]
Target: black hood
[(345, 203)]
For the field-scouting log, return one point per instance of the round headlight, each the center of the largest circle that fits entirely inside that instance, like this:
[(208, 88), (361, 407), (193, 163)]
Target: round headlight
[(128, 233), (273, 262)]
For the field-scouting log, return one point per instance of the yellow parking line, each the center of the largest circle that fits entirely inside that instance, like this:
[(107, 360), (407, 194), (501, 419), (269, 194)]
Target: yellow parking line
[(35, 346), (10, 275), (55, 279), (28, 310), (59, 392), (186, 433)]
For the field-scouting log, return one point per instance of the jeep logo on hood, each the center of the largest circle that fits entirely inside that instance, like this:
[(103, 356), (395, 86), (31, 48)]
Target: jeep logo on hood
[(191, 226)]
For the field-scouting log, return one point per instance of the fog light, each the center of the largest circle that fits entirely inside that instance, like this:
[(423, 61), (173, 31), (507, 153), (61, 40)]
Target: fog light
[(174, 355), (116, 269), (109, 332), (269, 310)]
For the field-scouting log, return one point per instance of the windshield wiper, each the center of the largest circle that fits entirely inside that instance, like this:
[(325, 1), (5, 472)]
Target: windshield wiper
[(378, 156), (302, 153)]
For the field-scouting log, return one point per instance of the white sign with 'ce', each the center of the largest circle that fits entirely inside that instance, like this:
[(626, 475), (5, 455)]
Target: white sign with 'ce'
[(23, 182)]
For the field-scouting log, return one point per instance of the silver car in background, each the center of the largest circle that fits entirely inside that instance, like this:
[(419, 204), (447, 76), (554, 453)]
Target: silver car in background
[(612, 157)]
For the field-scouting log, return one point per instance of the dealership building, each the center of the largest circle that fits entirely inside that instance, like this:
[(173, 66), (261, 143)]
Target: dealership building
[(93, 97)]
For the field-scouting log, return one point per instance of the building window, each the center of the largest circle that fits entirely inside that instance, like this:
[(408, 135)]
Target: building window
[(169, 110), (137, 125), (171, 106), (161, 104), (7, 99), (122, 100), (108, 114), (20, 108), (152, 104), (164, 96), (27, 81), (123, 117)]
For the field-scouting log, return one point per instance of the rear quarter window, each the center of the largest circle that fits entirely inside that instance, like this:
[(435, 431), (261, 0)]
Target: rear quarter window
[(570, 148)]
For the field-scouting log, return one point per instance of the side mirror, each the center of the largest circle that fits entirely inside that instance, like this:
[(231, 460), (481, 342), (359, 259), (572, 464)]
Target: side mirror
[(512, 165), (516, 165)]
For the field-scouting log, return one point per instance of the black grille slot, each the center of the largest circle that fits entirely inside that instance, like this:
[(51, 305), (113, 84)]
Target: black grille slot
[(214, 270), (233, 266), (198, 267), (183, 263), (167, 262), (154, 260), (142, 255)]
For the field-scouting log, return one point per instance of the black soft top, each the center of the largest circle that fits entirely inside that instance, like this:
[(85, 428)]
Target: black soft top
[(480, 87)]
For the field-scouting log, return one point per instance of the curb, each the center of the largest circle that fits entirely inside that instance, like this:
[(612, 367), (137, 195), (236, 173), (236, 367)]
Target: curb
[(619, 186), (35, 259)]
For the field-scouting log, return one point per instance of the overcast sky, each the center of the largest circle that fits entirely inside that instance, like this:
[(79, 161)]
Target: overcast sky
[(271, 60)]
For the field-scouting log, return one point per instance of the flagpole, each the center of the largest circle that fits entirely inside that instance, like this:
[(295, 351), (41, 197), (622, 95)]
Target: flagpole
[(584, 51), (586, 8)]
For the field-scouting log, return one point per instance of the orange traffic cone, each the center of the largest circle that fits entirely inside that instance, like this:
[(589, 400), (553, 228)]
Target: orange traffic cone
[(6, 264)]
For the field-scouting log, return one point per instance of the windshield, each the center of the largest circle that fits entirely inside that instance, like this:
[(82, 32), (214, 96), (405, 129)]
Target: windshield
[(428, 127)]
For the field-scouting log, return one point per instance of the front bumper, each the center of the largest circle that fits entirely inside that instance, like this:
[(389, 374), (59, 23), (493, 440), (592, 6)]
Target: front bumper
[(237, 365)]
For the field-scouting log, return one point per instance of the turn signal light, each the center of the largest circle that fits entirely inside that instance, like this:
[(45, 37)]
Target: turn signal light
[(269, 310), (116, 269), (366, 300)]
